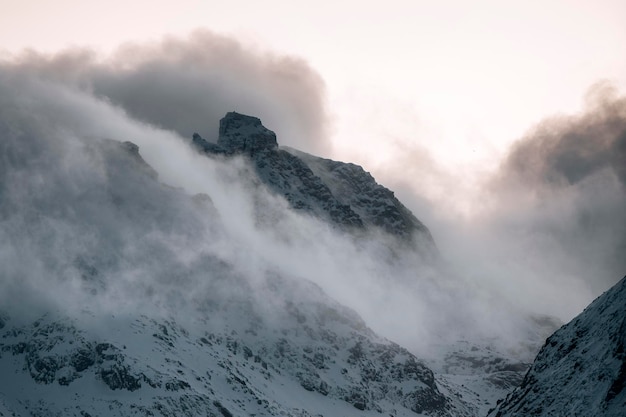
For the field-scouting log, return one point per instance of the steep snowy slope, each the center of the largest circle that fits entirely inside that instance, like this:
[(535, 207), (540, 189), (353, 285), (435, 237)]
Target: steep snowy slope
[(581, 370), (312, 357)]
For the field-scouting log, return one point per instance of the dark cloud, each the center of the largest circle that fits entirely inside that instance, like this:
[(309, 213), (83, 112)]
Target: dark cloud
[(562, 189), (567, 150), (547, 230), (187, 85)]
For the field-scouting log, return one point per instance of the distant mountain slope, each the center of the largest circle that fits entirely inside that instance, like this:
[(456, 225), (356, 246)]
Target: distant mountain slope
[(341, 193), (581, 370)]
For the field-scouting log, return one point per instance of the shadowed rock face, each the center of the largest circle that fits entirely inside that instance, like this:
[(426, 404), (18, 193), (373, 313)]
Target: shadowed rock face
[(376, 205), (241, 133), (344, 194), (581, 369)]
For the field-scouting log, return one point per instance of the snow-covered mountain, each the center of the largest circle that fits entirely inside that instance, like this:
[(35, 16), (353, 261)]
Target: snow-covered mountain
[(311, 357), (581, 369), (124, 296)]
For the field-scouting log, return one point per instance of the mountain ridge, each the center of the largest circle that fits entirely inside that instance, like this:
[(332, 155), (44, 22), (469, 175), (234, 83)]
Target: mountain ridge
[(581, 369), (343, 193)]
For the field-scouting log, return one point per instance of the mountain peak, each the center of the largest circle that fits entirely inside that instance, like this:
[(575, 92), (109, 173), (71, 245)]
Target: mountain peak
[(240, 133), (345, 194)]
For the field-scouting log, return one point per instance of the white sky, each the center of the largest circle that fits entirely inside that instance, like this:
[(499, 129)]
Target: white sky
[(462, 79)]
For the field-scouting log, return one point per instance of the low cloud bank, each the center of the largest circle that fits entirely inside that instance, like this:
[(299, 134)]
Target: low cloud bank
[(78, 219), (565, 184)]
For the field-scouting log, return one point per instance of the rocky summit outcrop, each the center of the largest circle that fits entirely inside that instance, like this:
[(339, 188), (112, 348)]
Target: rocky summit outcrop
[(342, 193), (241, 133), (581, 369)]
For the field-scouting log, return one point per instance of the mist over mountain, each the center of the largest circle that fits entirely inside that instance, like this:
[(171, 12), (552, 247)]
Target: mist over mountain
[(185, 85), (343, 194), (95, 247), (145, 269), (111, 276)]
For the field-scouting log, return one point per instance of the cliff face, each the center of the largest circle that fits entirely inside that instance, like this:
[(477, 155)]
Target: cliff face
[(341, 193), (375, 204), (581, 370)]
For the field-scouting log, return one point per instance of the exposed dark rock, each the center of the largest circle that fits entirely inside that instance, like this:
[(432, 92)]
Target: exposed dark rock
[(357, 399), (356, 353), (308, 381), (244, 134), (212, 148), (247, 352), (106, 351), (119, 377), (176, 385), (505, 379), (44, 369), (222, 409), (424, 401), (344, 194), (376, 205), (323, 389), (319, 360), (19, 348), (82, 359)]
